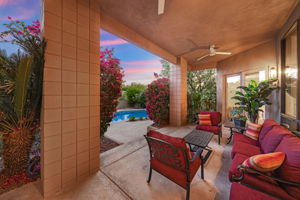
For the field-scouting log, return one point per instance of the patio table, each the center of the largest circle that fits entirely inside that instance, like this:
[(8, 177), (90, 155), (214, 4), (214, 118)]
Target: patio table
[(233, 128), (200, 139)]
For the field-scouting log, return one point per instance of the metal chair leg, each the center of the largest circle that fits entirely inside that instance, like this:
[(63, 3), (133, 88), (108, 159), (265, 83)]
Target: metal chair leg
[(202, 169), (187, 192), (150, 174), (219, 138)]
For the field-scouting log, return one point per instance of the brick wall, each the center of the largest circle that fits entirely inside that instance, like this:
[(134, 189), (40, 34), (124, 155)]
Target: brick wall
[(71, 96), (178, 93)]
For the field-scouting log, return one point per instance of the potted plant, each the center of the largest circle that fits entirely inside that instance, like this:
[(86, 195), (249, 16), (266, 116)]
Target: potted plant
[(238, 117), (252, 97)]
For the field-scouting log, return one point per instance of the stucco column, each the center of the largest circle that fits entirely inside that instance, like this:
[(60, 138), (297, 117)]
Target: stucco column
[(178, 93), (70, 121)]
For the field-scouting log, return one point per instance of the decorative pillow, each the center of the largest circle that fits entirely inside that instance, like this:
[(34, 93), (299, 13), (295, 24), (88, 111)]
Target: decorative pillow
[(204, 119), (265, 162), (253, 130)]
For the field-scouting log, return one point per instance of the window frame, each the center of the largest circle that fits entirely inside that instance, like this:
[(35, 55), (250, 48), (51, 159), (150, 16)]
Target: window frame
[(296, 26)]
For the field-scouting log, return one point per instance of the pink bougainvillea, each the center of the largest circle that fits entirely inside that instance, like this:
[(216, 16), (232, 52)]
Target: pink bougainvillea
[(157, 101), (111, 75)]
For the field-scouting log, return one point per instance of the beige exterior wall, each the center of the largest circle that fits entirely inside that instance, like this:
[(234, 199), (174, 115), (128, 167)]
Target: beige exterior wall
[(255, 59), (178, 93), (71, 96)]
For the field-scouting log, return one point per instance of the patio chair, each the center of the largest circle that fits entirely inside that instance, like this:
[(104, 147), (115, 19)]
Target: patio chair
[(171, 157), (216, 124)]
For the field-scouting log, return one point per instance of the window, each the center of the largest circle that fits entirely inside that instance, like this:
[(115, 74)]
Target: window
[(290, 74)]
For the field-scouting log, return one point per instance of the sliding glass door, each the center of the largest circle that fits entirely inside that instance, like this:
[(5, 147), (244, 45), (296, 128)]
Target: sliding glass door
[(232, 82)]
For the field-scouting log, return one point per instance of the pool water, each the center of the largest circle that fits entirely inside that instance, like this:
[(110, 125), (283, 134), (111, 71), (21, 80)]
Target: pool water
[(124, 115)]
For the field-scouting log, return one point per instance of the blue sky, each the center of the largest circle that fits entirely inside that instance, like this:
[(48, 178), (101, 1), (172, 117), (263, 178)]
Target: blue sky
[(138, 64)]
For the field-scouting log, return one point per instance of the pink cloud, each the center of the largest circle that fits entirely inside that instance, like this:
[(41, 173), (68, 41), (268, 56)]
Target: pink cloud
[(142, 62), (112, 42), (142, 70), (10, 2)]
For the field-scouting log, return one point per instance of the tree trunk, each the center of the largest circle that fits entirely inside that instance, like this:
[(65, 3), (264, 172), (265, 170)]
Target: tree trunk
[(16, 149)]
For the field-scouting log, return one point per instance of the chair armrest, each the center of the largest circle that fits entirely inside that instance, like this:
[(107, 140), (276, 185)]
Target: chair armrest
[(247, 170), (197, 154), (220, 125)]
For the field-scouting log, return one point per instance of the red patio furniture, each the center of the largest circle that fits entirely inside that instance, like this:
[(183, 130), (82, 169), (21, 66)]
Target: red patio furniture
[(284, 182), (171, 157), (216, 124)]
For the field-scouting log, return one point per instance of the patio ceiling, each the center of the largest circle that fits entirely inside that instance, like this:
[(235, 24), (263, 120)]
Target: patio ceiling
[(231, 25)]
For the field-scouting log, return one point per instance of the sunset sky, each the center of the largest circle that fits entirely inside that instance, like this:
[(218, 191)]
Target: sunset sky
[(138, 64)]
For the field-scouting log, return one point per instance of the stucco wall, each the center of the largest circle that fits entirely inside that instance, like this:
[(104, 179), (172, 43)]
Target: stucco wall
[(257, 58)]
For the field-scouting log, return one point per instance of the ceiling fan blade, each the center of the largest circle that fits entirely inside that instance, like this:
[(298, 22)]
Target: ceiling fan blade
[(161, 6), (201, 58), (223, 53)]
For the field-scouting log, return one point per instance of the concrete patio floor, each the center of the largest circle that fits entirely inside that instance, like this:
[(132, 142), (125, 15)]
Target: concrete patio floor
[(124, 171)]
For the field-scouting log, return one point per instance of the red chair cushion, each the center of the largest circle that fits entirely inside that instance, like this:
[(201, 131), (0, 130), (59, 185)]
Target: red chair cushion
[(290, 169), (238, 137), (177, 142), (237, 160), (266, 127), (237, 191), (245, 149), (213, 129), (214, 116), (273, 138), (175, 175)]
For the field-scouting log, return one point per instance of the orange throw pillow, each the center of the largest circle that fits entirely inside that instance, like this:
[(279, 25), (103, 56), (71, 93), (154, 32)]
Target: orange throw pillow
[(265, 162), (204, 119), (253, 130)]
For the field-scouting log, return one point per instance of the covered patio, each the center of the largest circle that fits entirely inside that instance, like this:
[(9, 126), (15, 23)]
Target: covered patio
[(254, 32), (115, 179)]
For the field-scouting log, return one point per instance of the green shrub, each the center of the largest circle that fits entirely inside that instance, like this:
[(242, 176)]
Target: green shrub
[(134, 94), (132, 118), (141, 118)]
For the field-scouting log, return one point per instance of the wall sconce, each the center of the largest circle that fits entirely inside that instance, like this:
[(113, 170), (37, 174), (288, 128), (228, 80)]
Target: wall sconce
[(273, 75), (272, 72)]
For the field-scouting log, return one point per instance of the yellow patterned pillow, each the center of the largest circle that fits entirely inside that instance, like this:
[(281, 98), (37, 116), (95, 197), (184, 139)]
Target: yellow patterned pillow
[(265, 162), (253, 130), (204, 119)]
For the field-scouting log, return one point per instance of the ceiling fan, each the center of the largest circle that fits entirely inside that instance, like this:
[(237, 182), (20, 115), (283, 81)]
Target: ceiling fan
[(161, 6), (213, 52)]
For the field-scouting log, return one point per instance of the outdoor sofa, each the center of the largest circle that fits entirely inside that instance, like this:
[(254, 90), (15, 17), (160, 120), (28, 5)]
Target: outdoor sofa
[(282, 183)]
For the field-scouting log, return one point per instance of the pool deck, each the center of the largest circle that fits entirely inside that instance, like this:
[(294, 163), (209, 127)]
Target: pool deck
[(124, 132)]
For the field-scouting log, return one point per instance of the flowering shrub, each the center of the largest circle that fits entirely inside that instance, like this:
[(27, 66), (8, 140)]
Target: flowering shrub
[(157, 101), (111, 75)]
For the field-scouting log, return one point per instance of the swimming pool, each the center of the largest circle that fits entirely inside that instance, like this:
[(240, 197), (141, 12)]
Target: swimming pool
[(124, 115)]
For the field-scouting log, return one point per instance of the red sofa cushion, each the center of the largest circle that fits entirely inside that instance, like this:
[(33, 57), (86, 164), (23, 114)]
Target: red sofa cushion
[(214, 116), (267, 185), (237, 160), (273, 138), (266, 127), (238, 192), (290, 169), (213, 129), (245, 149), (238, 137)]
